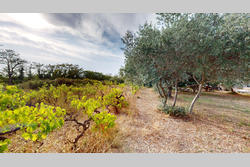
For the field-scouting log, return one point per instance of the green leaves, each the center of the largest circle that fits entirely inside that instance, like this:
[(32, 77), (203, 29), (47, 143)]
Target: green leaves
[(11, 98), (134, 88), (96, 108), (30, 111), (114, 98), (208, 45), (34, 122), (104, 120), (4, 145), (205, 46)]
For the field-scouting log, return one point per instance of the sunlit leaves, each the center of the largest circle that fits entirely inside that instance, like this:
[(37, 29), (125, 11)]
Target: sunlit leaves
[(35, 122), (4, 145), (39, 112), (11, 98), (95, 108)]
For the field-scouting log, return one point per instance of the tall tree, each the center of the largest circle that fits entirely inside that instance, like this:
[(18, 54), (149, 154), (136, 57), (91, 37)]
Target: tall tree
[(30, 67), (39, 67), (207, 47), (214, 46), (21, 72), (12, 61)]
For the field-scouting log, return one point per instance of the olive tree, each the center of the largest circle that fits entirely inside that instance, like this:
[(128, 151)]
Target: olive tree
[(151, 57), (206, 47), (214, 46)]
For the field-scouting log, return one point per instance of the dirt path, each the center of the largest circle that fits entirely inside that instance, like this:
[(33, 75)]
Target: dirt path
[(153, 131)]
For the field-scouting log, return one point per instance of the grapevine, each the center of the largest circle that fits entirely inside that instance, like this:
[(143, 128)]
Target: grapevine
[(36, 113), (35, 122)]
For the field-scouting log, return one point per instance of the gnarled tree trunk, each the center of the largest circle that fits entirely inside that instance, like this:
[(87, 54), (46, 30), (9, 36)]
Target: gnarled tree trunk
[(164, 94), (195, 98), (159, 91), (170, 91), (176, 92)]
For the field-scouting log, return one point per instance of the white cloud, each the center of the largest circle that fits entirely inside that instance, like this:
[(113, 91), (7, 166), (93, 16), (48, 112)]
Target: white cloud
[(31, 20), (122, 23), (38, 38)]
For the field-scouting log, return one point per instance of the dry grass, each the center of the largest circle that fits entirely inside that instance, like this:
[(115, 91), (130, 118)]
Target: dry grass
[(225, 110), (220, 123), (153, 131), (60, 141)]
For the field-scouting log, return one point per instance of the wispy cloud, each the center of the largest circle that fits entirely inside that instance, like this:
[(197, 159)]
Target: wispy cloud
[(90, 40)]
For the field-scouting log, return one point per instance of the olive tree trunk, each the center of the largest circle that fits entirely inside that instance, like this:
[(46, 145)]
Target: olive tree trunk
[(170, 91), (159, 91), (195, 99), (164, 94), (175, 94)]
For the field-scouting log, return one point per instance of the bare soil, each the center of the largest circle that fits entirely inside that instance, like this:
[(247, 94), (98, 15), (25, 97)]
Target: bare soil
[(212, 128), (220, 123)]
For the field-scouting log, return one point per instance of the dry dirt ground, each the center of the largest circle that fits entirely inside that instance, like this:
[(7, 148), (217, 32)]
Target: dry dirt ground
[(60, 141), (220, 123), (210, 129)]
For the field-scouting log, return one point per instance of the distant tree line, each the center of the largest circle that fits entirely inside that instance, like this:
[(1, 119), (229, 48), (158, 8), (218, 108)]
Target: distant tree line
[(16, 70)]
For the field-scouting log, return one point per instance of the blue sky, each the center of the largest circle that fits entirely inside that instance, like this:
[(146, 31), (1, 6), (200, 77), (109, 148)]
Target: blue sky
[(92, 41)]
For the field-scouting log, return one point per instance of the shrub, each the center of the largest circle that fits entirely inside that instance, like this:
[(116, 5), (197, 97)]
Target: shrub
[(35, 84), (134, 88), (74, 82), (117, 80), (175, 111), (96, 76)]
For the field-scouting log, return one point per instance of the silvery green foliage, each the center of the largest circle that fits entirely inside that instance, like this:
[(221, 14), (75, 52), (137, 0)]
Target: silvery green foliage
[(212, 45), (208, 47)]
